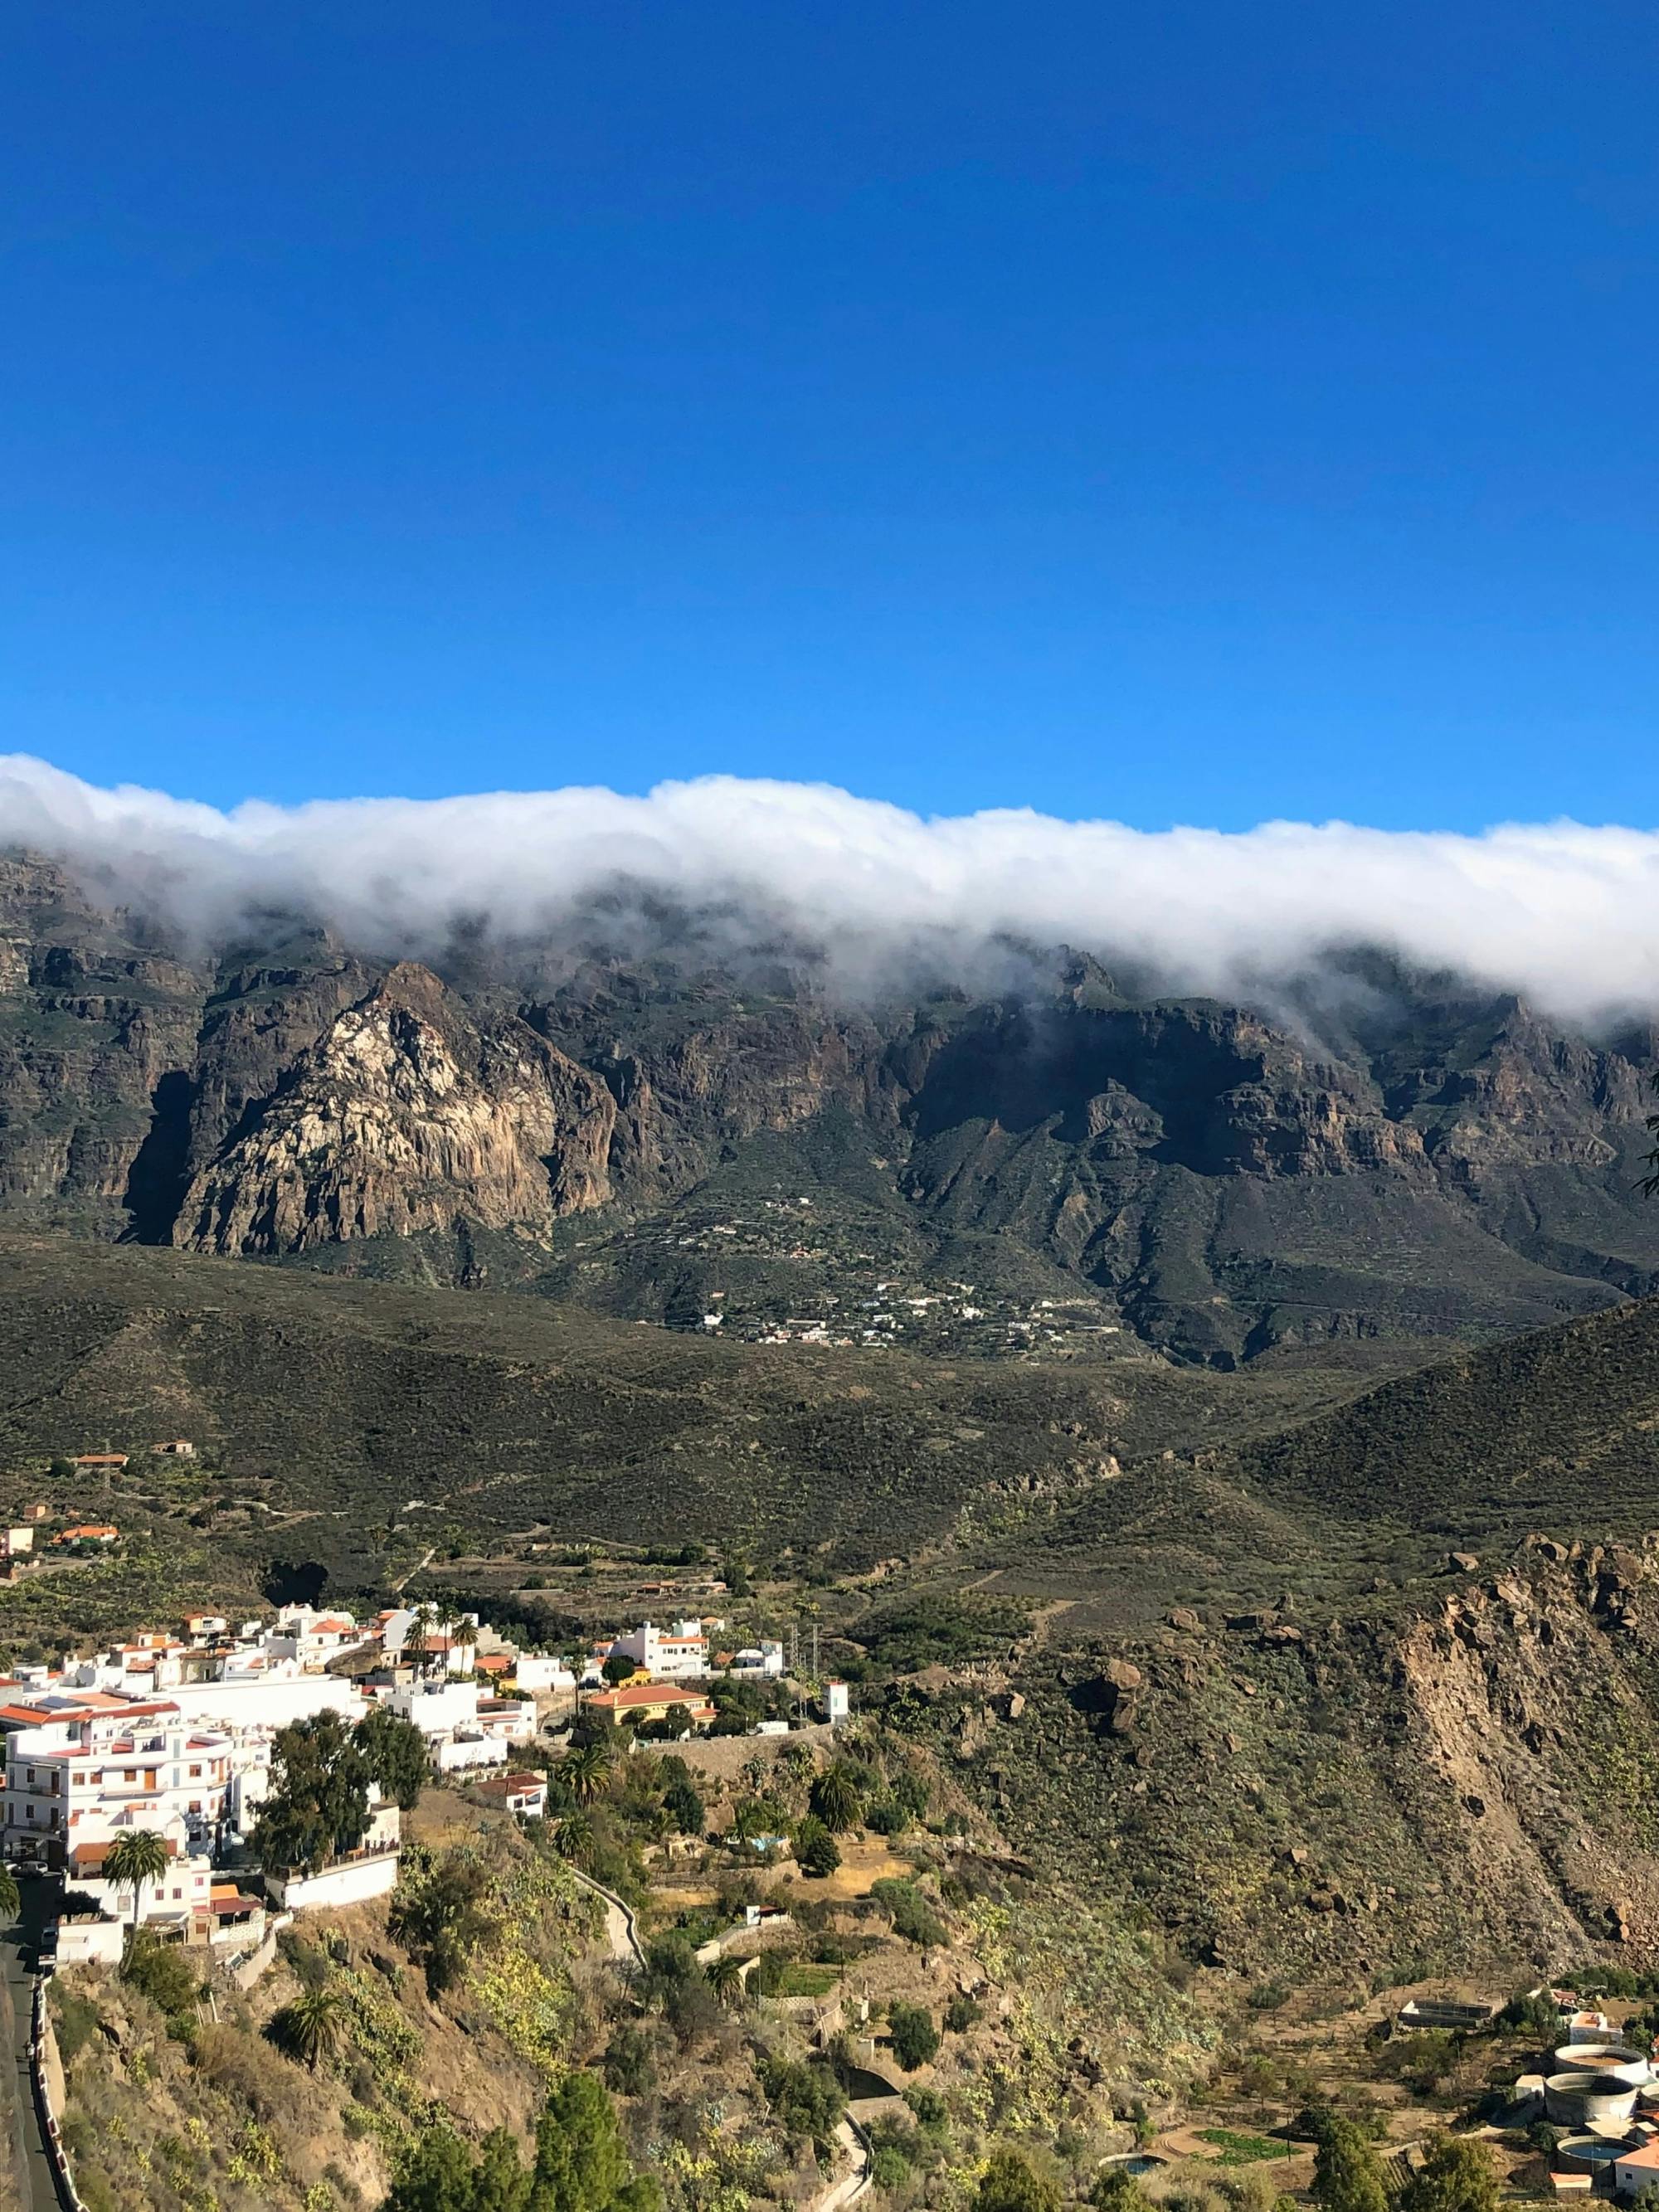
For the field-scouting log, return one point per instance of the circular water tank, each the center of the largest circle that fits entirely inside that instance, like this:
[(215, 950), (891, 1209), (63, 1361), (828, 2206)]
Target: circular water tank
[(1580, 2099), (1588, 2154), (1623, 2059)]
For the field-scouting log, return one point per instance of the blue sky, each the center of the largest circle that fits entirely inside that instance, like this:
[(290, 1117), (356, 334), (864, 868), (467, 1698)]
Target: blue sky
[(1167, 409)]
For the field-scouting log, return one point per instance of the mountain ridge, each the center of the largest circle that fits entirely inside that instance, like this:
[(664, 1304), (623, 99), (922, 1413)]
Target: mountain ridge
[(1431, 1160)]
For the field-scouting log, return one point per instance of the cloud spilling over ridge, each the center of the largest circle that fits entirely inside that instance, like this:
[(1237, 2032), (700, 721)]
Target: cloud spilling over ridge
[(1568, 915)]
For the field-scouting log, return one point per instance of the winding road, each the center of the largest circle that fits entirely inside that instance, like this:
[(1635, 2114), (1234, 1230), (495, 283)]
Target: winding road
[(34, 2185), (621, 1928)]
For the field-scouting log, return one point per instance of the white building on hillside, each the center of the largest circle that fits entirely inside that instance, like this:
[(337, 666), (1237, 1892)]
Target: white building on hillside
[(82, 1767), (312, 1637), (437, 1709), (679, 1654)]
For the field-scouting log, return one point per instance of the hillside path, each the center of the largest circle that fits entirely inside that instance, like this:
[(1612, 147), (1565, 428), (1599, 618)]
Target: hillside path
[(623, 1934), (621, 1929), (852, 2185)]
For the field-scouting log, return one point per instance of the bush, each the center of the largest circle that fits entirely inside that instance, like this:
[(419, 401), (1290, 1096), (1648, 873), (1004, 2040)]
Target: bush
[(931, 2112), (912, 1916), (160, 1971), (817, 1852), (438, 1910), (77, 2021), (1011, 2183), (1422, 2061), (805, 2097), (914, 2037), (940, 1630), (1314, 2123), (960, 2014), (628, 2068), (890, 2169)]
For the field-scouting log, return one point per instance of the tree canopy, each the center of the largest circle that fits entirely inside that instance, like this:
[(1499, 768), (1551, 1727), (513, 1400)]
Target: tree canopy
[(318, 1806), (913, 2033), (1011, 2183), (817, 1852), (1347, 2177), (806, 2096), (581, 2165), (1456, 2175), (835, 1799), (394, 1754), (311, 2029)]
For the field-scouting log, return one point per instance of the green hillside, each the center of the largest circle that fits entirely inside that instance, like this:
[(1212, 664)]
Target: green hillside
[(346, 1401)]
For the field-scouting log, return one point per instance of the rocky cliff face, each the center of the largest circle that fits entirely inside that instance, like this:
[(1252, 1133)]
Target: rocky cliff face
[(405, 1116), (1221, 1181)]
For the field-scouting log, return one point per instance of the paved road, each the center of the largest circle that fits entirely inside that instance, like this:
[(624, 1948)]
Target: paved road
[(33, 2182)]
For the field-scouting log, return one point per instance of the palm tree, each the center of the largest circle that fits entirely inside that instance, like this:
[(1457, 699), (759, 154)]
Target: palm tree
[(750, 1820), (417, 1643), (572, 1838), (584, 1771), (10, 1897), (310, 2028), (724, 1977), (836, 1799), (137, 1856), (452, 1624)]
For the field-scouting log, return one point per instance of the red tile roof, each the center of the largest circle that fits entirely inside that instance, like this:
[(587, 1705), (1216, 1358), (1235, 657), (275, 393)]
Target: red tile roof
[(93, 1855), (647, 1694)]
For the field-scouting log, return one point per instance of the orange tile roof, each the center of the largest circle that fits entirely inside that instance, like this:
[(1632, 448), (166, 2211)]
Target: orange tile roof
[(647, 1694), (93, 1855)]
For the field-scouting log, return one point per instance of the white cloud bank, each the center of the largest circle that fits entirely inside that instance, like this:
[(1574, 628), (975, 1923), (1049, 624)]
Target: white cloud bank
[(1567, 915)]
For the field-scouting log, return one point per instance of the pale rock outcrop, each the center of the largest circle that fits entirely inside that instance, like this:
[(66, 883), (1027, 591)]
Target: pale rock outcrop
[(406, 1116)]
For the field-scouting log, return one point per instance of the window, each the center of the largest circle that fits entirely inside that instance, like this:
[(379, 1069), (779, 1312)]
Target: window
[(195, 1773)]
